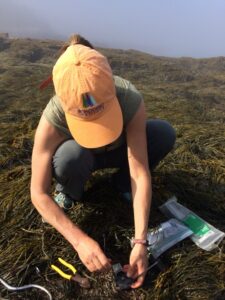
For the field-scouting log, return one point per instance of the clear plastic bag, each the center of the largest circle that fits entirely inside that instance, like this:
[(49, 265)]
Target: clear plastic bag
[(166, 235), (204, 234)]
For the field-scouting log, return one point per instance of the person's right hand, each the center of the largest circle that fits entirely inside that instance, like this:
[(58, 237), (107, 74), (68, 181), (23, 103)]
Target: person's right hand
[(92, 256)]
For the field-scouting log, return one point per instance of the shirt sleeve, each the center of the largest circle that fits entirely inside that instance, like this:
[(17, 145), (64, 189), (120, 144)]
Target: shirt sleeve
[(55, 115), (129, 98)]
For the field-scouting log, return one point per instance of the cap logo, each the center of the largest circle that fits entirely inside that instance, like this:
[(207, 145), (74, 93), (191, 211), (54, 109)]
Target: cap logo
[(90, 107), (88, 100)]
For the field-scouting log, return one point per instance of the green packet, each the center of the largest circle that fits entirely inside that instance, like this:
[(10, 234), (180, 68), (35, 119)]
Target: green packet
[(197, 225), (205, 235)]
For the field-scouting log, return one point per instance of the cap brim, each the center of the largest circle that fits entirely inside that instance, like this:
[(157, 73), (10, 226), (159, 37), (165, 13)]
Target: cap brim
[(99, 132)]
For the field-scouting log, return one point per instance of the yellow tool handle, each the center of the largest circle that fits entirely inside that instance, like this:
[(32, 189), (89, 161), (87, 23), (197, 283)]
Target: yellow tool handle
[(61, 273), (69, 266)]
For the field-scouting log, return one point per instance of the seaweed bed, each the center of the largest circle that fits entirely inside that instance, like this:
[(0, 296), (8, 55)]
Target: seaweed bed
[(190, 94)]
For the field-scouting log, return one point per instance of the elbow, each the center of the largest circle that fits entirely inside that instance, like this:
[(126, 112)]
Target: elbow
[(141, 174), (34, 195), (142, 181)]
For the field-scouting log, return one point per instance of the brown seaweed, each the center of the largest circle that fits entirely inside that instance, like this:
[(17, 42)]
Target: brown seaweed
[(190, 98)]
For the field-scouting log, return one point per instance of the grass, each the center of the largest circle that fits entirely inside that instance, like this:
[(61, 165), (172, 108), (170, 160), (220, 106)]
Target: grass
[(186, 92)]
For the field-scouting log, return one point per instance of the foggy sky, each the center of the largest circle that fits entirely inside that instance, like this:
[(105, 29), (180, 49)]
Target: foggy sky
[(162, 27)]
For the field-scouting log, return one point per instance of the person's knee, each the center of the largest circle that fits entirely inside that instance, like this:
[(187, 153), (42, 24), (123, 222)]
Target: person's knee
[(162, 134), (170, 136), (69, 158)]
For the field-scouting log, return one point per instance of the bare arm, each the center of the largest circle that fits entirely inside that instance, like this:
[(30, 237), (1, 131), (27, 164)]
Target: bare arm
[(47, 139), (141, 189)]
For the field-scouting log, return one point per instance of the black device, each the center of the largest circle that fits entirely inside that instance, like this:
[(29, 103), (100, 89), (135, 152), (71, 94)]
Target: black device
[(122, 281)]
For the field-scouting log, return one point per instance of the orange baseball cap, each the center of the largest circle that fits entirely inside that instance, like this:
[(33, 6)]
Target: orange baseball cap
[(84, 82)]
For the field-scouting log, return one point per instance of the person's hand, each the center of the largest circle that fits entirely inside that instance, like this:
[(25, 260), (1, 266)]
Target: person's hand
[(92, 256), (138, 264)]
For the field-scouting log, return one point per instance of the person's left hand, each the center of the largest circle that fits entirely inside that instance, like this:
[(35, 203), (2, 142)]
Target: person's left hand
[(138, 264)]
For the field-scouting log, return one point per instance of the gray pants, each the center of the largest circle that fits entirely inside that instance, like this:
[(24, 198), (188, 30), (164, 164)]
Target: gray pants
[(73, 164)]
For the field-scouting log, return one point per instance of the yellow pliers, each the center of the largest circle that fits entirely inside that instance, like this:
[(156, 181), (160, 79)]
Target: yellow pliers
[(83, 282)]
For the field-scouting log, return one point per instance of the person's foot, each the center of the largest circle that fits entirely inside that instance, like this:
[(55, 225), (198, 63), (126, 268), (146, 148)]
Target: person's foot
[(115, 182), (63, 201), (126, 196)]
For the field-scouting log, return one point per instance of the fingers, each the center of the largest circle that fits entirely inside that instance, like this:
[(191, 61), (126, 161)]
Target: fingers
[(92, 256), (104, 261), (93, 266), (138, 282), (98, 263), (125, 268), (90, 266), (137, 271), (132, 271)]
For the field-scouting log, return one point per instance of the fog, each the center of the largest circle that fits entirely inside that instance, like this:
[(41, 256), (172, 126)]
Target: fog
[(164, 27)]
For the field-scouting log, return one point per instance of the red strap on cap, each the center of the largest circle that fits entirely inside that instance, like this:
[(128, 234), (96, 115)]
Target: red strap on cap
[(45, 83)]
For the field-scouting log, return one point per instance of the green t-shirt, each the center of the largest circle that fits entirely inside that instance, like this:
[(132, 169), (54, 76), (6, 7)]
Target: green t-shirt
[(129, 99)]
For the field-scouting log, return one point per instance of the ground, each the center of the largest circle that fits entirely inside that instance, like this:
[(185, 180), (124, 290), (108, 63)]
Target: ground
[(190, 95)]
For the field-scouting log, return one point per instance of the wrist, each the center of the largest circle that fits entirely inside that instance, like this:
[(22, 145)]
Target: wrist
[(74, 235), (79, 240), (142, 242)]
